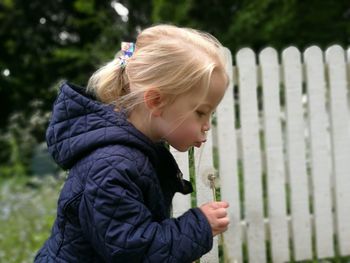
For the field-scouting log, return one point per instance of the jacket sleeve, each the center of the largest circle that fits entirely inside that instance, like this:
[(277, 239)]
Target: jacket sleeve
[(119, 226)]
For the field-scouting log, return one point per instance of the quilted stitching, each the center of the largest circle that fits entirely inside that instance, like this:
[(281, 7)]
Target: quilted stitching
[(114, 206)]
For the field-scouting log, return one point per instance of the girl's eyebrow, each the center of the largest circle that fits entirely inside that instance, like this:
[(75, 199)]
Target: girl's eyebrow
[(206, 105)]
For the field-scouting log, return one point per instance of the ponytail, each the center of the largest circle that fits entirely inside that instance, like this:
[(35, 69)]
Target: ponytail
[(110, 82)]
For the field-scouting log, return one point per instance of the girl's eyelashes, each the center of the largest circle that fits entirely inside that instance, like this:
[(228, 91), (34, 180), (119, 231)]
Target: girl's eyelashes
[(200, 113)]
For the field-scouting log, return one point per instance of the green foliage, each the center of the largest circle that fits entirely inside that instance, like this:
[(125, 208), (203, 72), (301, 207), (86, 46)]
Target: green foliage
[(27, 211), (16, 166), (18, 141), (85, 7), (42, 42), (174, 11), (261, 23)]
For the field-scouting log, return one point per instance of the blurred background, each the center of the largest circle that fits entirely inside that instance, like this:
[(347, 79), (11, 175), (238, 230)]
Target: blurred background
[(45, 42)]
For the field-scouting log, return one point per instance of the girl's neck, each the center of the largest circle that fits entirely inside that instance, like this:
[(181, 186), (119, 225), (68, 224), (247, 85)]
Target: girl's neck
[(141, 120)]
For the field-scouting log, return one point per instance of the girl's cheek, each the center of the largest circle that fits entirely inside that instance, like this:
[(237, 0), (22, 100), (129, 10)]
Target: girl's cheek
[(190, 130)]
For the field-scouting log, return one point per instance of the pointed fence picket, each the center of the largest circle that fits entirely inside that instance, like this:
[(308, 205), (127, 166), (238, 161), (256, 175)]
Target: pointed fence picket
[(281, 141)]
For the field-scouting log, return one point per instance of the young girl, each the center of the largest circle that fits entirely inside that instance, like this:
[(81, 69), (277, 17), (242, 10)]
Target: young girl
[(115, 204)]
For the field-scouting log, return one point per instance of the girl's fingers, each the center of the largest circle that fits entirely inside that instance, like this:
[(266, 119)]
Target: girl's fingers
[(221, 212), (221, 204), (223, 222)]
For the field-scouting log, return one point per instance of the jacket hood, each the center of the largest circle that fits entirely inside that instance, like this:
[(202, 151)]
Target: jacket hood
[(81, 124)]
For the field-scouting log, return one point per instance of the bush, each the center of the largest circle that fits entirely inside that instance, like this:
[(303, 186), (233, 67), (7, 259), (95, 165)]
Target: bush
[(19, 139)]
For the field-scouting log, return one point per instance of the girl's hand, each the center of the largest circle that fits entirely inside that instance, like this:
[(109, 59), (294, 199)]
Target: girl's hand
[(217, 216)]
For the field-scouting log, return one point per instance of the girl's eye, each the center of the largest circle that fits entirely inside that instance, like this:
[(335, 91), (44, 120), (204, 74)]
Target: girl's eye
[(200, 113)]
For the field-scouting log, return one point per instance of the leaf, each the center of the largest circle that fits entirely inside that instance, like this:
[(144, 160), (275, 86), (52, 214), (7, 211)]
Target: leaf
[(85, 6)]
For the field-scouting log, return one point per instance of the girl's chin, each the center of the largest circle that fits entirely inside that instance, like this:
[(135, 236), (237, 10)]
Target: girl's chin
[(181, 148), (185, 148)]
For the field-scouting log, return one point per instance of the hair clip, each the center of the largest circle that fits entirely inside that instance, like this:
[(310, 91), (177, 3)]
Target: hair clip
[(127, 49)]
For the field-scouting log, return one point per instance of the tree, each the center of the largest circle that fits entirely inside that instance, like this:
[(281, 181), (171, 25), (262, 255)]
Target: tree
[(261, 23), (44, 42)]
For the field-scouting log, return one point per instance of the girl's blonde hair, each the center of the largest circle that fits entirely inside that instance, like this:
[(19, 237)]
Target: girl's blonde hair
[(172, 59)]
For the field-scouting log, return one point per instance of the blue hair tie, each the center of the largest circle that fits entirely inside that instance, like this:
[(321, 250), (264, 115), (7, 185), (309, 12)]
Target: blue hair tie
[(127, 49)]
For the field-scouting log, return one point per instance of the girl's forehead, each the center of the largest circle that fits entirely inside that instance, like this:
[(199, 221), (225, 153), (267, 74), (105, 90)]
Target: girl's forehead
[(217, 89), (198, 97)]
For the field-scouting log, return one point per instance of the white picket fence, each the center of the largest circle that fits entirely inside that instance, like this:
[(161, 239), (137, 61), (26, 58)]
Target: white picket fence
[(284, 163)]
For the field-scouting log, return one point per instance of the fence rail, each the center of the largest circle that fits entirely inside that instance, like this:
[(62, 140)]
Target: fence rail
[(281, 146)]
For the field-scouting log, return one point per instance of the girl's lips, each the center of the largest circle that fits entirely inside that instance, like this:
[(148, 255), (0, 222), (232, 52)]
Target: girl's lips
[(198, 144)]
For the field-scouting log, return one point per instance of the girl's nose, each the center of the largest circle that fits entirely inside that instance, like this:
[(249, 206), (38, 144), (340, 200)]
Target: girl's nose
[(206, 127)]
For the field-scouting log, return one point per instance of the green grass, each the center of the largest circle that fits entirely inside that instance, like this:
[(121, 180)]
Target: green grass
[(27, 211)]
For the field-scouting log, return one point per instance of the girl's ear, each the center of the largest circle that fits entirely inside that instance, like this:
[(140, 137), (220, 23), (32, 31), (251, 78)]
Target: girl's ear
[(153, 101)]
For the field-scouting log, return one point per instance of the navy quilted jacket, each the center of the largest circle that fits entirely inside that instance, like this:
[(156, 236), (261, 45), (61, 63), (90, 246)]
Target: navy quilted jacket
[(115, 204)]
